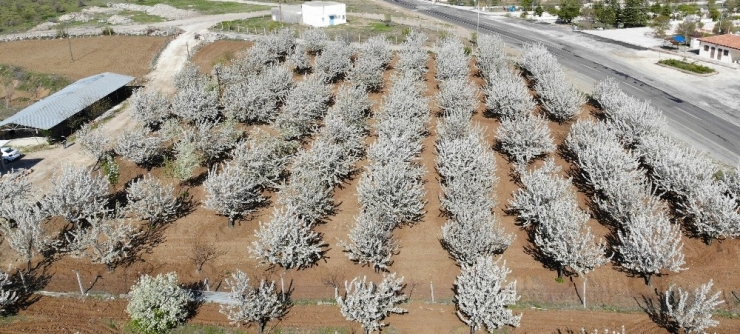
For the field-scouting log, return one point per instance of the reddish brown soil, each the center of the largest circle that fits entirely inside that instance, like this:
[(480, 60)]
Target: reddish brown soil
[(422, 261), (130, 55), (221, 51)]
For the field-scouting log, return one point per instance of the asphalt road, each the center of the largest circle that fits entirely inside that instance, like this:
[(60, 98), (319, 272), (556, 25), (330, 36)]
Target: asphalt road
[(688, 122)]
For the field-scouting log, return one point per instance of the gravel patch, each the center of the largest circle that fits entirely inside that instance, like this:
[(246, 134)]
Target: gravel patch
[(118, 19), (165, 11)]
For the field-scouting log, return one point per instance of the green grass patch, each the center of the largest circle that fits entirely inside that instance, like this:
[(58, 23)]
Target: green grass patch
[(255, 24), (141, 17), (206, 6), (28, 80), (686, 66), (380, 27), (21, 15)]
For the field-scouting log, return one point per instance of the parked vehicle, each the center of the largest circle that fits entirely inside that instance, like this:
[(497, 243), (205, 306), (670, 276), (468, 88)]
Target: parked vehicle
[(10, 154)]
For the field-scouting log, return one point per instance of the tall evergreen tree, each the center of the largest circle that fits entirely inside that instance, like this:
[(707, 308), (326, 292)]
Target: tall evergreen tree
[(634, 13)]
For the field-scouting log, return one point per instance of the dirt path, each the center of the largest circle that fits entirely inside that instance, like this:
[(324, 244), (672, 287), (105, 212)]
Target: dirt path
[(175, 55)]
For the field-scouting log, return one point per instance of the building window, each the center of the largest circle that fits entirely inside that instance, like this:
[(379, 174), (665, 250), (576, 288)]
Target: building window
[(706, 47), (727, 52)]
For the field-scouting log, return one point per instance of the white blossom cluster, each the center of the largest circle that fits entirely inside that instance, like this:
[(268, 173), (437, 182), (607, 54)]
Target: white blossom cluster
[(105, 239), (524, 139), (304, 106), (334, 62), (491, 56), (22, 228), (373, 57), (483, 296), (507, 95), (157, 304), (287, 240), (457, 95), (390, 190), (561, 100), (139, 145), (451, 60), (258, 304), (93, 141), (561, 233), (649, 243), (708, 204), (412, 58), (315, 40), (467, 170), (76, 194), (151, 199), (256, 98), (299, 59), (629, 118), (264, 157), (8, 296), (231, 191), (368, 303), (691, 312), (149, 108), (280, 42)]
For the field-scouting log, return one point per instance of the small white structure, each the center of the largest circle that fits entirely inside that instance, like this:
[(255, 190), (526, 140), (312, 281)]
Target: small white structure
[(724, 48), (287, 14), (324, 13)]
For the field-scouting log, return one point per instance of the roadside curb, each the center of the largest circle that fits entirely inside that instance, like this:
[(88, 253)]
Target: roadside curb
[(695, 57)]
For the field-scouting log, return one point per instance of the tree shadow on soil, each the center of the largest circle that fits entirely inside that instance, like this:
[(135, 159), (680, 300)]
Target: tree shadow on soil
[(26, 284), (654, 307)]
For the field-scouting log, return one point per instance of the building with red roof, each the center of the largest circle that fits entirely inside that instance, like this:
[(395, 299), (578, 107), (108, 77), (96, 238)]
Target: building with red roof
[(724, 48)]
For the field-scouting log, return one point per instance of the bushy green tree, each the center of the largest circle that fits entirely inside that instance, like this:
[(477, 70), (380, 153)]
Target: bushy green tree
[(660, 24), (157, 304), (569, 9), (606, 14), (634, 13), (538, 11)]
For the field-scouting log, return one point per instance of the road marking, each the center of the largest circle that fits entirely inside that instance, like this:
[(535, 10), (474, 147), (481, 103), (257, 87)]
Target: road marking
[(640, 89), (687, 113)]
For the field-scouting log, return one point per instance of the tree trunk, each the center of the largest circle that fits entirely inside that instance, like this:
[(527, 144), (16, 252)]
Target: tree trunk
[(472, 330), (708, 240), (560, 272), (262, 326), (648, 278), (231, 221)]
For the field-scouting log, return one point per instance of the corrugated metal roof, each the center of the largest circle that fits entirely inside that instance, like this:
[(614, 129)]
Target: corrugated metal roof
[(61, 105)]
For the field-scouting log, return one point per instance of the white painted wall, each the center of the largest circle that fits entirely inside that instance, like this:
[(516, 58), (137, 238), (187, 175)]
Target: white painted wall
[(324, 13), (705, 50)]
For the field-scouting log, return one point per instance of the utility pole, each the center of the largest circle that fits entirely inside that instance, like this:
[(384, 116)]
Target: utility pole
[(69, 43), (477, 4)]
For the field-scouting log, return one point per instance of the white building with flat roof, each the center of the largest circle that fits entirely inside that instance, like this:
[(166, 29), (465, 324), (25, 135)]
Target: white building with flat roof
[(324, 13)]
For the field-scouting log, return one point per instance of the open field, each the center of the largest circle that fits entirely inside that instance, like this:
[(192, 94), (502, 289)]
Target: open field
[(21, 15), (548, 306), (128, 55), (357, 29), (25, 87), (218, 52)]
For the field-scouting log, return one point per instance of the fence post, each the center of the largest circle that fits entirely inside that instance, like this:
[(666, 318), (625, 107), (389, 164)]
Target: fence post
[(431, 285), (79, 282)]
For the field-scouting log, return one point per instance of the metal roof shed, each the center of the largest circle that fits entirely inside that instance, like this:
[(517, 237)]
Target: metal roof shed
[(65, 103)]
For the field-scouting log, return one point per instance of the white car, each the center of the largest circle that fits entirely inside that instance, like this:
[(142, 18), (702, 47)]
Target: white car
[(10, 154)]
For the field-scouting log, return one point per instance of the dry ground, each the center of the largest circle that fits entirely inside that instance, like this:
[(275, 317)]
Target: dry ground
[(548, 306), (130, 55), (222, 51)]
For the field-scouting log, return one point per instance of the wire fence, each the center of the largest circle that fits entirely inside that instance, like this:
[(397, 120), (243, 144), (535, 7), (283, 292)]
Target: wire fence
[(429, 292)]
